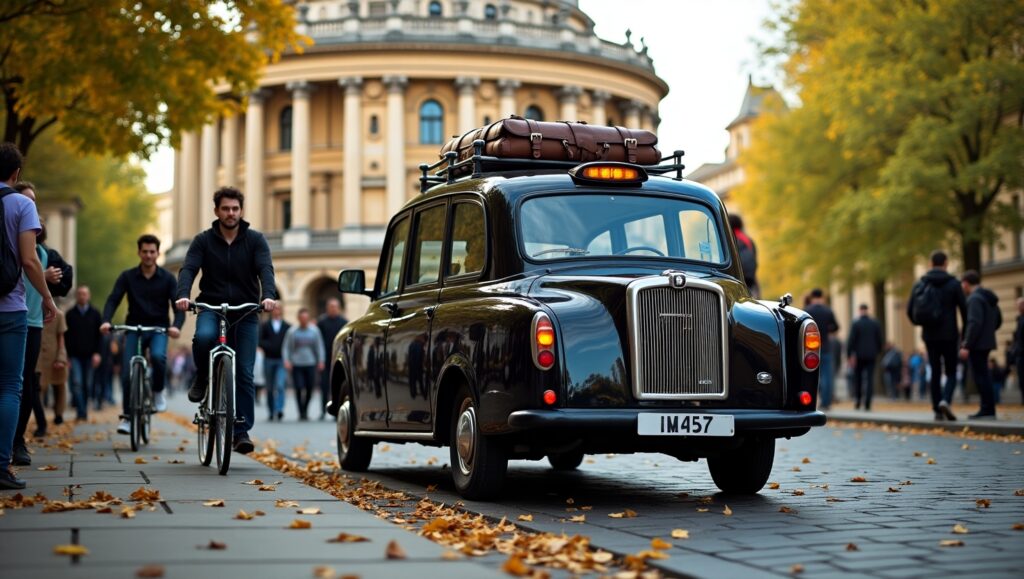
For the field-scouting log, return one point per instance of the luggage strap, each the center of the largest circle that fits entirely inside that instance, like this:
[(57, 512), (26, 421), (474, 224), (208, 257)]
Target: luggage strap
[(629, 143)]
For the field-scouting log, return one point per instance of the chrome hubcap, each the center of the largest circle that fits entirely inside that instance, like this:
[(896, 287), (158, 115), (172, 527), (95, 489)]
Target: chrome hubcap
[(465, 439), (344, 416)]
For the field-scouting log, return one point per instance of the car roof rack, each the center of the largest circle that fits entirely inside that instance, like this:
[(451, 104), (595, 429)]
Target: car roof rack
[(448, 168)]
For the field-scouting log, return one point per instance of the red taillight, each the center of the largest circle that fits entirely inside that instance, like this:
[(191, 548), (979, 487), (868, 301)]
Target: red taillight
[(810, 345), (543, 342), (550, 398), (805, 398), (223, 339), (811, 361)]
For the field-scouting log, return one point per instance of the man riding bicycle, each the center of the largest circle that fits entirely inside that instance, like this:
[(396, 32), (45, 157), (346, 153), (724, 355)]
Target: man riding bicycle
[(236, 265), (151, 290)]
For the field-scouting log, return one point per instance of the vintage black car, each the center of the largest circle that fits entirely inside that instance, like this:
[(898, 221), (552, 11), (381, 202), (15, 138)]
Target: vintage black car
[(541, 309)]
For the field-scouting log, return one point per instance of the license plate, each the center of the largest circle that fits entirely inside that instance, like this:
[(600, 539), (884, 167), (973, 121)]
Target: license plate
[(685, 425)]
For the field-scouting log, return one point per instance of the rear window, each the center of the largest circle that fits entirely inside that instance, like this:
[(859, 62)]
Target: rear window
[(633, 226)]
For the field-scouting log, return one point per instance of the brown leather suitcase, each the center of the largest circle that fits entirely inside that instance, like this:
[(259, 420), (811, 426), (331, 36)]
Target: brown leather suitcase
[(519, 138)]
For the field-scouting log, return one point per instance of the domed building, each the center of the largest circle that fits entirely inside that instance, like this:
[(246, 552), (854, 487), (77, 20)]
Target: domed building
[(328, 147)]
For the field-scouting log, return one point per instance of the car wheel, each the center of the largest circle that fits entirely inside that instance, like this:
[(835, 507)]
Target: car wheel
[(566, 460), (354, 453), (478, 462), (744, 470)]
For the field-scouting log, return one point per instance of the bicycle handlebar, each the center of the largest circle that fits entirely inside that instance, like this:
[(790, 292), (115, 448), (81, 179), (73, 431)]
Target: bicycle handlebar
[(194, 306), (139, 329)]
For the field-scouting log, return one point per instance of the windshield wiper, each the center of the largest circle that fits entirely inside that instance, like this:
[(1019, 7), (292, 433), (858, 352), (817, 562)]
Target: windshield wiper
[(572, 250)]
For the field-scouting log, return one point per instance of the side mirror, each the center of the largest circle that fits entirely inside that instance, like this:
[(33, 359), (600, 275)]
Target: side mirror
[(352, 281)]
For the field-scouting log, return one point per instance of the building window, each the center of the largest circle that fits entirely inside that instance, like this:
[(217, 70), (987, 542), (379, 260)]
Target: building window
[(534, 112), (435, 9), (286, 214), (285, 126), (431, 123), (374, 125), (378, 9), (491, 12), (487, 119)]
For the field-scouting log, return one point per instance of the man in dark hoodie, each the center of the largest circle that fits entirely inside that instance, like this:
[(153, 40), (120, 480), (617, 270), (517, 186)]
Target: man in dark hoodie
[(983, 319), (933, 305)]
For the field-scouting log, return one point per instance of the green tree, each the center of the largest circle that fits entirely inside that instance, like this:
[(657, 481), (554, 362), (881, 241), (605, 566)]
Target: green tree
[(909, 126), (124, 76)]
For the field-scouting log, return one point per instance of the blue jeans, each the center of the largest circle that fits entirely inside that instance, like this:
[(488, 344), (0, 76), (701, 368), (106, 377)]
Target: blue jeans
[(13, 333), (157, 345), (273, 370), (82, 376), (243, 337), (826, 378)]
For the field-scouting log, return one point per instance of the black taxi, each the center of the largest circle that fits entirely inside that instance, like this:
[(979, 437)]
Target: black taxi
[(530, 309)]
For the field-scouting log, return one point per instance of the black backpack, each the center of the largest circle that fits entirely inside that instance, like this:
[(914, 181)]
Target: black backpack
[(10, 265), (926, 304)]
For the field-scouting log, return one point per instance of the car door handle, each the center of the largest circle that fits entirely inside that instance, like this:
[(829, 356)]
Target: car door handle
[(429, 310), (389, 307)]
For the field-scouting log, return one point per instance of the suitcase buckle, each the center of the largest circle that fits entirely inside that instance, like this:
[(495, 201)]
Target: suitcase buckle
[(534, 137), (535, 142), (630, 143)]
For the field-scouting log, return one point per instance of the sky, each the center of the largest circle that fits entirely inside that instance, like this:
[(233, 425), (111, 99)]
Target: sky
[(703, 49)]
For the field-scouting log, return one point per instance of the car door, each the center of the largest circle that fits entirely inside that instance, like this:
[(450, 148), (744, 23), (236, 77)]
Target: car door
[(370, 333), (408, 338)]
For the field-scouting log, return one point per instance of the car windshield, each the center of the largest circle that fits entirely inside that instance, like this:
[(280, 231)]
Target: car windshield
[(575, 226)]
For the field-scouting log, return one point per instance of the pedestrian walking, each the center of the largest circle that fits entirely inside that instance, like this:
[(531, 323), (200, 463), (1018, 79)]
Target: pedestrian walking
[(83, 342), (748, 254), (892, 370), (863, 346), (52, 367), (934, 302), (983, 319), (330, 323), (17, 256), (272, 334), (998, 374), (303, 353), (828, 327), (916, 365), (1018, 347)]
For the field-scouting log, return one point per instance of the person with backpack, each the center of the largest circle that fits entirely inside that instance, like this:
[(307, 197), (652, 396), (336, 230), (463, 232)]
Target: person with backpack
[(748, 255), (863, 347), (17, 254), (983, 319), (933, 305)]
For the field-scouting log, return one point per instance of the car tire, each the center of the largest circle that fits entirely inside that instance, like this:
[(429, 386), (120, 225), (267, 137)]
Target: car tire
[(566, 460), (745, 470), (478, 462), (354, 452)]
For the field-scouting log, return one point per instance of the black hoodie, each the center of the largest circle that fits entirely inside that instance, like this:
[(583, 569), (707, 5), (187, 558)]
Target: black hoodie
[(952, 299), (235, 273), (983, 319)]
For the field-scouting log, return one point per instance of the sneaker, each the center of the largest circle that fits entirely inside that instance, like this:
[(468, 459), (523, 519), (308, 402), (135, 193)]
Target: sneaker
[(945, 410), (243, 445), (982, 416), (159, 402), (280, 416), (197, 391), (58, 419), (20, 456), (10, 482), (124, 427), (39, 433)]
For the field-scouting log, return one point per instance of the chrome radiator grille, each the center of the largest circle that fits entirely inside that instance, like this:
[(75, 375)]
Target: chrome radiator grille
[(678, 338)]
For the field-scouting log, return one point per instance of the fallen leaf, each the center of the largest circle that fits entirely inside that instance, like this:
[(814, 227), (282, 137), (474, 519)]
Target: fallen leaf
[(773, 486), (48, 467), (894, 489), (140, 460), (727, 511), (142, 494), (175, 461), (951, 543), (309, 511), (626, 514), (127, 513), (852, 547), (930, 461), (796, 569), (344, 537), (214, 503), (243, 516), (983, 503), (1018, 526), (514, 566), (785, 509), (965, 447), (450, 556), (806, 460), (258, 514), (1018, 493), (680, 534), (102, 497), (602, 557), (394, 551), (150, 571), (285, 504), (702, 510), (254, 481), (526, 518), (268, 488), (300, 524), (323, 572), (920, 454), (431, 488), (105, 510), (906, 483), (798, 493), (660, 545), (959, 529), (795, 469), (214, 546), (72, 550), (858, 479), (570, 501), (578, 519)]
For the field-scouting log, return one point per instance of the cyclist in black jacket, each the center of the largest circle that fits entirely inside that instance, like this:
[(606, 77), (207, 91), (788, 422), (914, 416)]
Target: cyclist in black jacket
[(236, 265)]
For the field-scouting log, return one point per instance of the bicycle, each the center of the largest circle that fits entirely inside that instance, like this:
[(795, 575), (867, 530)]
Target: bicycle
[(216, 431), (140, 387)]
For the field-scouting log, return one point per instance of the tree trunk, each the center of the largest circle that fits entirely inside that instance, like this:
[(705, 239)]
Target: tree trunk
[(971, 249), (878, 296)]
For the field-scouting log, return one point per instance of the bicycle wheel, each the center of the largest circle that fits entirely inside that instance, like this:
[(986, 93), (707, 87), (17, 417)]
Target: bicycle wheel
[(207, 423), (147, 410), (225, 410), (135, 405)]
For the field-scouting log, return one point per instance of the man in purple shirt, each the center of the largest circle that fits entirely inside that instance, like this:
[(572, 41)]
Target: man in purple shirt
[(21, 222)]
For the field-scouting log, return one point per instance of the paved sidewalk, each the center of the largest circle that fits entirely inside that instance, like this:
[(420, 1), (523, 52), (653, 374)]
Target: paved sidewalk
[(173, 531), (919, 415)]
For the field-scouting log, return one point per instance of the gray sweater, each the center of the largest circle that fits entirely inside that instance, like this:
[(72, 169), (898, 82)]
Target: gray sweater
[(304, 346)]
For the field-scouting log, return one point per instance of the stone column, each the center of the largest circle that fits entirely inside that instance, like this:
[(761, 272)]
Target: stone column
[(229, 150), (70, 219), (631, 114), (189, 184), (207, 175), (598, 101), (396, 181), (507, 97), (298, 235), (568, 98), (466, 86), (55, 231), (352, 186), (254, 143)]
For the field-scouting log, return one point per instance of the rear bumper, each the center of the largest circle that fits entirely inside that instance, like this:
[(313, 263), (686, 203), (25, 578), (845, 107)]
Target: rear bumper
[(625, 420)]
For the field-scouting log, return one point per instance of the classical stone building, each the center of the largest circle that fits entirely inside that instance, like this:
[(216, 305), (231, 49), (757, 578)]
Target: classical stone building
[(328, 147)]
